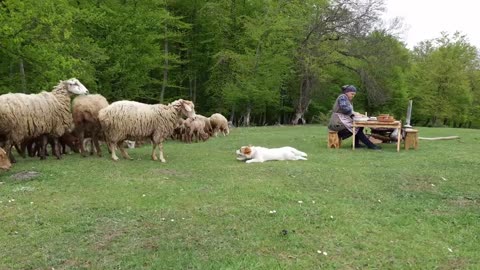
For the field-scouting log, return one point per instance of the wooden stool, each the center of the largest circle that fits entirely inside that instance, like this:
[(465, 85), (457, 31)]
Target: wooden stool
[(411, 138), (333, 140)]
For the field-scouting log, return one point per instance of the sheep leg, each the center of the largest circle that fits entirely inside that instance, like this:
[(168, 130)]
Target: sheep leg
[(20, 150), (42, 148), (112, 147), (8, 148), (81, 137), (97, 146), (28, 145), (160, 148), (92, 147), (122, 151), (63, 148), (154, 153), (56, 148)]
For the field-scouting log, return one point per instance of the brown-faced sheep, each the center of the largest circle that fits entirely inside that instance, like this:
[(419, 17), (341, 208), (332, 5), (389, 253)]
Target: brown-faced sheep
[(25, 116), (130, 120), (4, 160), (85, 116), (219, 123)]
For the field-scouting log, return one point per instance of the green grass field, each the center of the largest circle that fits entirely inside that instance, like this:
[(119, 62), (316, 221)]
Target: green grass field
[(203, 209)]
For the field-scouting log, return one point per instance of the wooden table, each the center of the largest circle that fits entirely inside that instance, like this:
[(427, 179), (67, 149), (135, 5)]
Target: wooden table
[(379, 124)]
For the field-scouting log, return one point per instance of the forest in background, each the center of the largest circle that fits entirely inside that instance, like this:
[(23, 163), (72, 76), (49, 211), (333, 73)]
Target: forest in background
[(258, 62)]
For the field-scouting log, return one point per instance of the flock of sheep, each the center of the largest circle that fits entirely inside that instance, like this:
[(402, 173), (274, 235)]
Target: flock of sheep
[(30, 122)]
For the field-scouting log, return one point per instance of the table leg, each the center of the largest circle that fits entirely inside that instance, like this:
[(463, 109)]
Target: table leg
[(399, 135), (353, 138)]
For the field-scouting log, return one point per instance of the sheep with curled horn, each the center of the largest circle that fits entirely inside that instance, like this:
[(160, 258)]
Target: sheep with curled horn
[(26, 116), (130, 120)]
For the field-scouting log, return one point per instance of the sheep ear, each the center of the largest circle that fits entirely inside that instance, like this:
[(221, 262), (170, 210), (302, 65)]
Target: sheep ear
[(186, 106)]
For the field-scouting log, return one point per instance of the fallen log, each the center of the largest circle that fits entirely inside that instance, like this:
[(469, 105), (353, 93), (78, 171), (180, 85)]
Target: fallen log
[(439, 138)]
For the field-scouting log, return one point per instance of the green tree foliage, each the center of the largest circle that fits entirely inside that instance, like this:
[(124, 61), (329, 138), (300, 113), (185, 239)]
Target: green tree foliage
[(39, 46), (255, 69), (442, 78), (257, 62), (134, 35), (385, 60)]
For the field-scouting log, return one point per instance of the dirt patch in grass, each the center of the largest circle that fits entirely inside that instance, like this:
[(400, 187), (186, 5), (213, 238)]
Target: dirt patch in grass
[(25, 175), (418, 185), (107, 238), (455, 263), (70, 263), (464, 201), (169, 172)]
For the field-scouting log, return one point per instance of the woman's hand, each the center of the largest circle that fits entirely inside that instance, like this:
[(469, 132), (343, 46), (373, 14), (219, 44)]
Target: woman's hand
[(357, 114)]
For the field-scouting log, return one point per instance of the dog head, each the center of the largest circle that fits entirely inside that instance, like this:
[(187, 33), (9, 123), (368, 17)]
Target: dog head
[(245, 152)]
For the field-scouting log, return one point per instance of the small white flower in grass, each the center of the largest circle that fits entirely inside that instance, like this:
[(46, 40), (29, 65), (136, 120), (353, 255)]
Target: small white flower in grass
[(444, 179), (172, 220), (163, 218), (433, 185), (313, 201), (300, 201), (325, 253), (273, 212), (379, 200), (143, 195), (449, 249), (331, 217), (319, 251), (31, 202)]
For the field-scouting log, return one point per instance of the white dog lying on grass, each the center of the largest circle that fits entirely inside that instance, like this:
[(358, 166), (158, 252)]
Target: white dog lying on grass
[(260, 154)]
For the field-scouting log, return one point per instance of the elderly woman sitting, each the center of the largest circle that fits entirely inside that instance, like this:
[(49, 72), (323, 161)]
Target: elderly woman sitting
[(342, 118)]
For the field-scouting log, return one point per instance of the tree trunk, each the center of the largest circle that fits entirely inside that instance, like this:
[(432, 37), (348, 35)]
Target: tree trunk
[(22, 77), (303, 100), (165, 68), (299, 116), (246, 118), (232, 115), (194, 98)]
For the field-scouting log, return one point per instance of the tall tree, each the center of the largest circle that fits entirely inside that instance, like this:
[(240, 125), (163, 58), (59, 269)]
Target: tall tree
[(441, 80), (38, 38), (331, 27)]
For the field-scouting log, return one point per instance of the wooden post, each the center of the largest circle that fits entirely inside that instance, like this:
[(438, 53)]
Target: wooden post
[(333, 140)]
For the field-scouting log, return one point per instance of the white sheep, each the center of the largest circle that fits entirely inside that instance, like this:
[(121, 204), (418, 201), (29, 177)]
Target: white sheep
[(219, 123), (25, 116), (196, 129), (130, 120), (85, 117)]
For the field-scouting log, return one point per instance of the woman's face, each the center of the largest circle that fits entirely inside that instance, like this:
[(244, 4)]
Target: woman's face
[(350, 95)]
